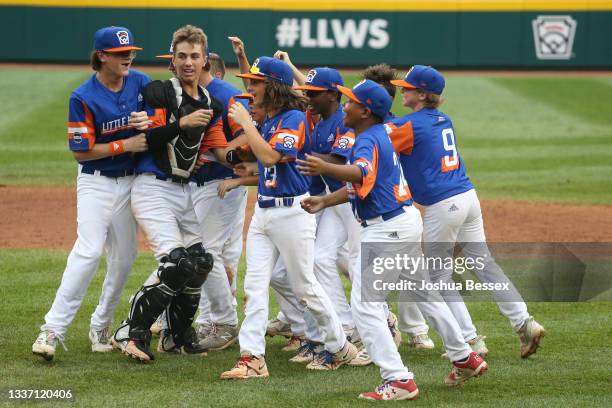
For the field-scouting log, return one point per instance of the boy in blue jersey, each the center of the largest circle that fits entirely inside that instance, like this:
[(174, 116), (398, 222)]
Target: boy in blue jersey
[(382, 203), (105, 116), (425, 141), (279, 228)]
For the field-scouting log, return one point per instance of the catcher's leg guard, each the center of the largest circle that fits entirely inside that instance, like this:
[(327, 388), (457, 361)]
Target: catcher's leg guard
[(176, 270), (181, 310)]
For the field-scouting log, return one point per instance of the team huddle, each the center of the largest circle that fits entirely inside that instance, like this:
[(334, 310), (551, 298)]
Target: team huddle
[(175, 157)]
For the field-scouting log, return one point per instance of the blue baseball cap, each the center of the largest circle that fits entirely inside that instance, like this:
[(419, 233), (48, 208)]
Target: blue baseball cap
[(322, 79), (422, 77), (114, 39), (371, 95), (273, 68)]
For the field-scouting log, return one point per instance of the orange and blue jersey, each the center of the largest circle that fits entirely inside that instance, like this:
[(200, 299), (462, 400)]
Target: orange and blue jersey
[(287, 133), (98, 115), (225, 93), (382, 189), (324, 136), (427, 148)]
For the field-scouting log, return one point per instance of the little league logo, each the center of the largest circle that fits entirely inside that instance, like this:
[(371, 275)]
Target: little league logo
[(124, 37), (311, 75), (554, 37), (289, 141)]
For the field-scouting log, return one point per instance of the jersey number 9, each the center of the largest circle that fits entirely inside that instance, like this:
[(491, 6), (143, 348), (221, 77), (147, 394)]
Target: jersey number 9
[(449, 162)]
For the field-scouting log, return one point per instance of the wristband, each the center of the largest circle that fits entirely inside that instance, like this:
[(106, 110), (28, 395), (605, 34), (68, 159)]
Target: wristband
[(116, 147)]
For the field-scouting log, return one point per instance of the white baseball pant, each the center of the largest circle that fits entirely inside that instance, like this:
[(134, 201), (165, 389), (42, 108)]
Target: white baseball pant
[(288, 232), (459, 219), (219, 220), (371, 317), (104, 220)]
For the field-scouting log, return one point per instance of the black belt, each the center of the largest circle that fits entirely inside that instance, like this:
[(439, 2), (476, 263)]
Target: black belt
[(174, 179), (107, 173)]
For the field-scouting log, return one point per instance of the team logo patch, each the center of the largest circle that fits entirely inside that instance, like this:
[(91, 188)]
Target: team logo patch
[(124, 37), (311, 75), (554, 37), (289, 141), (77, 138), (343, 142), (255, 67)]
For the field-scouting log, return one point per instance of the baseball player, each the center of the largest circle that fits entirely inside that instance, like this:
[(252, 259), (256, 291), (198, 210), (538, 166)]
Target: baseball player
[(279, 227), (105, 115), (221, 223), (382, 203), (425, 140), (410, 318), (186, 120)]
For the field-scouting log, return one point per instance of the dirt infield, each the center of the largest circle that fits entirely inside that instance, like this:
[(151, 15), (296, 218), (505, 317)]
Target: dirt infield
[(46, 218)]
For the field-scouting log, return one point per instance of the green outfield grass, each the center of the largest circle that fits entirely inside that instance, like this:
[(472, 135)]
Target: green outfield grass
[(528, 138), (571, 369)]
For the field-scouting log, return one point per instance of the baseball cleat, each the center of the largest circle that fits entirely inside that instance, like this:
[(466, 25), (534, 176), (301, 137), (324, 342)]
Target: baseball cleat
[(393, 324), (203, 330), (100, 340), (421, 341), (293, 344), (307, 352), (353, 336), (332, 361), (157, 325), (393, 390), (362, 359), (247, 366), (189, 345), (138, 350), (530, 334), (220, 337), (478, 345), (474, 366), (277, 327), (45, 345)]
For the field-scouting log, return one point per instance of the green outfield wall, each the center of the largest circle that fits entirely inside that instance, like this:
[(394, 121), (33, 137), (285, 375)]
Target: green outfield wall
[(502, 34)]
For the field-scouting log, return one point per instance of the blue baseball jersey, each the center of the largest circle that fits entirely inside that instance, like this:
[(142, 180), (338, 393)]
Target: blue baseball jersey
[(383, 188), (225, 93), (287, 133), (427, 148), (98, 115), (324, 135)]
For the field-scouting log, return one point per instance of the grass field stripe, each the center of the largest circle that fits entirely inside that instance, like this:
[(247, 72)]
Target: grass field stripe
[(337, 5)]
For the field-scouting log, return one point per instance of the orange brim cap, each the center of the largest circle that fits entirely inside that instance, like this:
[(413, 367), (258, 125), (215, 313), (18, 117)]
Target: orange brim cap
[(402, 83), (165, 56), (309, 88), (244, 96), (349, 93), (252, 76), (127, 48)]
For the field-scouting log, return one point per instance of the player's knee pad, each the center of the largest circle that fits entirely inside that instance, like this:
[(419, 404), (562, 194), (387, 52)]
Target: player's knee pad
[(203, 260), (177, 269)]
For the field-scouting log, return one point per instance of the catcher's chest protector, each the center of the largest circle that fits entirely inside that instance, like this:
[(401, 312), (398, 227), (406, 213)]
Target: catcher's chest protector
[(181, 153)]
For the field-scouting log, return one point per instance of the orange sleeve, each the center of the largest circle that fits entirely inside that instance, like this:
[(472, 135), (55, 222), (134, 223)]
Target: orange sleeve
[(158, 119), (402, 137), (234, 127), (369, 178), (214, 138)]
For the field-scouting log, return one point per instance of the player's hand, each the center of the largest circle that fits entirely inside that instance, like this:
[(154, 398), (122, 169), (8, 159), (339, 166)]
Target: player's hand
[(139, 120), (226, 186), (245, 169), (313, 204), (237, 45), (238, 113), (283, 56), (311, 166), (201, 117), (135, 144)]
